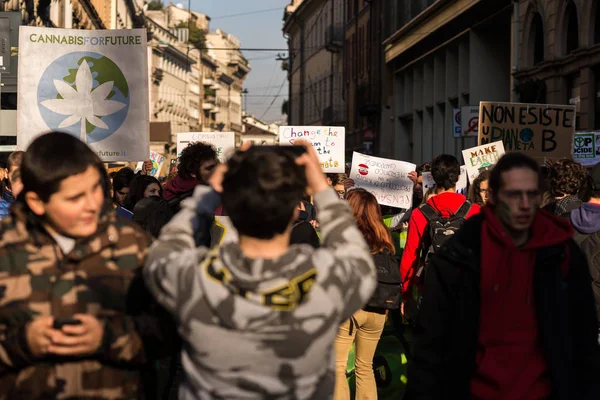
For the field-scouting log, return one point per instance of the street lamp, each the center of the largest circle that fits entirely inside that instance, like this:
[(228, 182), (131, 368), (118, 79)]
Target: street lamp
[(245, 93)]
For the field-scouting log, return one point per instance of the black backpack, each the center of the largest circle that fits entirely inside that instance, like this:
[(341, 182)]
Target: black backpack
[(438, 231), (175, 202), (389, 282)]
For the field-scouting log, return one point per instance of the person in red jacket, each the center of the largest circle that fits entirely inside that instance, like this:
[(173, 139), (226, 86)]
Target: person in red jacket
[(445, 170), (508, 308)]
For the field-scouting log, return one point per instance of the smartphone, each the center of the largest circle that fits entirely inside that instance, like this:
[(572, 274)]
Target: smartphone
[(294, 151), (60, 322)]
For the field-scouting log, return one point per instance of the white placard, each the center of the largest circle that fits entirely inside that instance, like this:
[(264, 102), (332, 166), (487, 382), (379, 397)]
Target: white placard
[(482, 156), (223, 142), (386, 179), (87, 83), (586, 148), (158, 160), (461, 185), (328, 141)]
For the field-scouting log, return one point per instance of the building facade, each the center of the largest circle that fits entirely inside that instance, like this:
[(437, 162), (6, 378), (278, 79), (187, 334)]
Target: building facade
[(363, 63), (315, 34), (232, 70), (559, 56), (440, 55)]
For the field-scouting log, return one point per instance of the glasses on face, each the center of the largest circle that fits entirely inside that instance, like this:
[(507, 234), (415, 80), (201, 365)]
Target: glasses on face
[(519, 194), (341, 193)]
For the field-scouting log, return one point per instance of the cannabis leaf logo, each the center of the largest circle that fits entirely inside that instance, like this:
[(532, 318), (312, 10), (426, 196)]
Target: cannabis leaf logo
[(83, 103)]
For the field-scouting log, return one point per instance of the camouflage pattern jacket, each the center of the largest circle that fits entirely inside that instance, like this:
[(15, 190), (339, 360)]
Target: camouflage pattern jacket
[(100, 276), (259, 328)]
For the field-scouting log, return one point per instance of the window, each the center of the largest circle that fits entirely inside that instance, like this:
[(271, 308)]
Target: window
[(596, 97), (572, 28), (537, 34), (573, 94)]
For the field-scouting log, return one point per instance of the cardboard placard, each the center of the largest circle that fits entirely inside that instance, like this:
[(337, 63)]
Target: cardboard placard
[(540, 130)]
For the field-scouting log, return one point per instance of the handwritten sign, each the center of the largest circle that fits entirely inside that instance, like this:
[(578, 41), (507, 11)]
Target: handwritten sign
[(386, 179), (481, 157), (158, 161), (223, 142), (539, 130), (461, 185), (586, 148), (328, 141)]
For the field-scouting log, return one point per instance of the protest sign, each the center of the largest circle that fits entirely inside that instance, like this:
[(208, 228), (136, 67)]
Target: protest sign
[(87, 83), (586, 148), (386, 179), (481, 157), (328, 141), (469, 120), (224, 142), (539, 130), (461, 185), (157, 163)]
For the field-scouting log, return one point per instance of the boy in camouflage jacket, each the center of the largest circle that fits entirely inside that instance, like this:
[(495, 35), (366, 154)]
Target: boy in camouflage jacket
[(64, 255)]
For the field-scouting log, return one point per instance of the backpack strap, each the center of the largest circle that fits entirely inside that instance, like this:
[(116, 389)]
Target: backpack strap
[(463, 211), (429, 212)]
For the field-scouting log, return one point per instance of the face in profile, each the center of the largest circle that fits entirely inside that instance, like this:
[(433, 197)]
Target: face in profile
[(483, 191), (206, 170), (518, 199), (74, 210)]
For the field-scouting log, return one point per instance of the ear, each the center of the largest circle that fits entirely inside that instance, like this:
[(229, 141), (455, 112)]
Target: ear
[(329, 181), (35, 203)]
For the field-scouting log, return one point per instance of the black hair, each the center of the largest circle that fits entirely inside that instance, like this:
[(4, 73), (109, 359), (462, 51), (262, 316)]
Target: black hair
[(192, 158), (121, 180), (445, 171), (137, 188), (261, 190), (425, 167), (52, 158), (567, 177), (152, 213), (508, 162)]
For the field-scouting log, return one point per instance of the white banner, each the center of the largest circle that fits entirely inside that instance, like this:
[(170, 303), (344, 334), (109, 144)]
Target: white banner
[(482, 156), (386, 179), (461, 185), (223, 142), (86, 83), (158, 160), (328, 141)]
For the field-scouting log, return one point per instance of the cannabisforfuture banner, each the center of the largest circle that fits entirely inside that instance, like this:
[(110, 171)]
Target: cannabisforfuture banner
[(91, 84)]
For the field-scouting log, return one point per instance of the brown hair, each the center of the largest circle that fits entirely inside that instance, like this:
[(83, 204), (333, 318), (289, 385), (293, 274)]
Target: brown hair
[(567, 177), (475, 189), (369, 220), (15, 159)]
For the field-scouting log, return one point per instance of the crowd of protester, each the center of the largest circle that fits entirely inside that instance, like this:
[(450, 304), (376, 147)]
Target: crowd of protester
[(120, 286)]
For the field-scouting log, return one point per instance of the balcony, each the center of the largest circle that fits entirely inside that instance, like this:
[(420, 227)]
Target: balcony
[(208, 81), (334, 38), (239, 64), (215, 110), (208, 106)]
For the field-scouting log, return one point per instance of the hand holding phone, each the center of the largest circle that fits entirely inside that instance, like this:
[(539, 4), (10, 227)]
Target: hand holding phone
[(60, 322)]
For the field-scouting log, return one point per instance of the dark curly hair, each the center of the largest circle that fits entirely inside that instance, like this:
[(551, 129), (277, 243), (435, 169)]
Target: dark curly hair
[(192, 158), (567, 177), (425, 167), (261, 190)]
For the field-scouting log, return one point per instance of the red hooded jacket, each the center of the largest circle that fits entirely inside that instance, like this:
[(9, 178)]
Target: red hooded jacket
[(510, 361), (446, 204)]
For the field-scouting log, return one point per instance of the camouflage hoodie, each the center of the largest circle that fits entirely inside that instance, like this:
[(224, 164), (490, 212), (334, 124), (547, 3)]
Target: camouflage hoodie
[(97, 277), (257, 328)]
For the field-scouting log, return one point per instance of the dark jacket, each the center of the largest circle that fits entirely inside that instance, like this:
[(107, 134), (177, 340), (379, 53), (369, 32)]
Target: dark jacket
[(586, 221), (563, 207), (447, 327)]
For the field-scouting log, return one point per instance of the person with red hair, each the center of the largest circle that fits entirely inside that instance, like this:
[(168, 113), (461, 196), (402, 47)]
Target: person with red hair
[(366, 325)]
